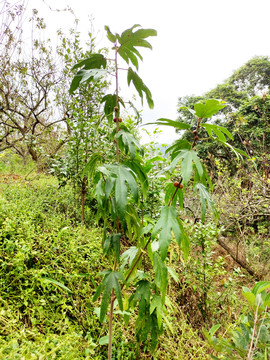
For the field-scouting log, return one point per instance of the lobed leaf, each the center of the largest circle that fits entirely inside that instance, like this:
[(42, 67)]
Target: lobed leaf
[(209, 108), (167, 224), (86, 75), (156, 304), (91, 70), (140, 87), (188, 157), (167, 122), (110, 35), (161, 275), (109, 282), (129, 40), (205, 200), (120, 176), (141, 172), (128, 142), (218, 130), (95, 61)]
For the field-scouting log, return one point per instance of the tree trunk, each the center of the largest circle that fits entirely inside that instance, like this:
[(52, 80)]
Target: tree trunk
[(83, 192), (242, 263)]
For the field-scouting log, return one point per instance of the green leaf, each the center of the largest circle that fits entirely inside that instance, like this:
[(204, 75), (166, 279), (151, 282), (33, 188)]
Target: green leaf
[(100, 191), (189, 157), (129, 255), (127, 55), (104, 340), (161, 275), (128, 143), (141, 172), (109, 185), (156, 304), (218, 130), (91, 70), (129, 40), (210, 108), (132, 222), (239, 153), (109, 282), (55, 282), (110, 101), (167, 122), (86, 75), (214, 329), (123, 176), (251, 297), (178, 146), (173, 274), (112, 244), (205, 199), (140, 87), (95, 61), (167, 223), (110, 36), (188, 109), (260, 286), (142, 292), (91, 165)]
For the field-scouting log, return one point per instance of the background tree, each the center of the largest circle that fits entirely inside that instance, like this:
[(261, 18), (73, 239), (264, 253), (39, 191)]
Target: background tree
[(246, 94), (36, 110)]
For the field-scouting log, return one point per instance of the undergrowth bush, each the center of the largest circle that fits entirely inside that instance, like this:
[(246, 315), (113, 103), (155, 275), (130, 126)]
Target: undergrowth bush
[(49, 265), (48, 274)]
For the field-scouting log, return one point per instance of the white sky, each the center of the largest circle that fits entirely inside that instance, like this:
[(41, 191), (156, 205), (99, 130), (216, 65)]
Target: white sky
[(199, 43)]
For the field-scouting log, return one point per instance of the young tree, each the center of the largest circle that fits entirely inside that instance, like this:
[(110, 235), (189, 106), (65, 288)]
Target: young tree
[(122, 182)]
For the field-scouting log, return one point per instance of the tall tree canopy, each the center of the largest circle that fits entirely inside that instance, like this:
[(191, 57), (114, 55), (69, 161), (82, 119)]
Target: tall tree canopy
[(247, 95)]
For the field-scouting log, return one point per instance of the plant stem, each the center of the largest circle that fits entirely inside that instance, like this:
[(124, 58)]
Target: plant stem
[(117, 220), (175, 191), (137, 260), (197, 128), (110, 326), (251, 350)]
